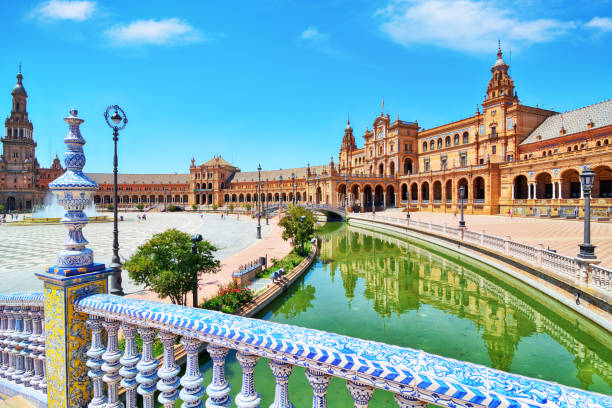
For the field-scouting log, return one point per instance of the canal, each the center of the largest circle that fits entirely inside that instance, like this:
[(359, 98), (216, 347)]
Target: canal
[(378, 287)]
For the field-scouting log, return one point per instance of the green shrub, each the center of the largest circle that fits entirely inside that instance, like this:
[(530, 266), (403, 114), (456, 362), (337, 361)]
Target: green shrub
[(173, 208), (230, 207), (248, 207), (110, 207), (229, 298), (140, 206), (194, 207), (214, 207)]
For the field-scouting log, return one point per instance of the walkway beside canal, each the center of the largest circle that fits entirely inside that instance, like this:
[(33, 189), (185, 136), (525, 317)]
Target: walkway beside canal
[(562, 235), (271, 246)]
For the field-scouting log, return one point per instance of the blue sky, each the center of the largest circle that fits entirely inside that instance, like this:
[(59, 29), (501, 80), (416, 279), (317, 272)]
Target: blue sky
[(272, 81)]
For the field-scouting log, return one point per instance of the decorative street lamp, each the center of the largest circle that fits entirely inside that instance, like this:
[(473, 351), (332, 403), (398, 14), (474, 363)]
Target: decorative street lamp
[(293, 184), (266, 187), (346, 191), (194, 249), (408, 205), (280, 197), (587, 178), (117, 122), (259, 203), (461, 193)]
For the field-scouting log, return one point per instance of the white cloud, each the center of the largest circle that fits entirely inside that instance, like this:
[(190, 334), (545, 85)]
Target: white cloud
[(65, 10), (600, 23), (311, 33), (165, 31), (464, 25)]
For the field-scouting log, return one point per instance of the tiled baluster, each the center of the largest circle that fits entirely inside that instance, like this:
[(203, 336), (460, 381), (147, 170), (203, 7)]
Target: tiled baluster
[(41, 349), (9, 343), (3, 329), (248, 397), (404, 401), (319, 381), (111, 363), (169, 382), (281, 372), (26, 351), (128, 361), (192, 391), (147, 368), (35, 353), (219, 389), (17, 347), (95, 362), (361, 393)]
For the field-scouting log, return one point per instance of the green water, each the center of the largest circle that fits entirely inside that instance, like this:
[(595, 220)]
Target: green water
[(374, 286)]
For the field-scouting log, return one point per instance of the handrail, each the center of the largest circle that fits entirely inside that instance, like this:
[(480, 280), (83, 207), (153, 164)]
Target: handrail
[(415, 377)]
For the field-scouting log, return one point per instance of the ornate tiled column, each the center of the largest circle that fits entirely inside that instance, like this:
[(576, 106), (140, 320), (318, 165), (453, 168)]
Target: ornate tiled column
[(281, 371), (192, 391), (319, 381), (219, 388), (248, 397), (361, 393), (75, 275)]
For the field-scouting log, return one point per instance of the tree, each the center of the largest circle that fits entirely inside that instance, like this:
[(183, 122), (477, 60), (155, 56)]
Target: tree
[(214, 207), (248, 207), (140, 206), (298, 224), (167, 265), (110, 207), (1, 208), (231, 208)]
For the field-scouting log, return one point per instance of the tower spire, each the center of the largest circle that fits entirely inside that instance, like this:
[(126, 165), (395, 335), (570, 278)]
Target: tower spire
[(499, 51)]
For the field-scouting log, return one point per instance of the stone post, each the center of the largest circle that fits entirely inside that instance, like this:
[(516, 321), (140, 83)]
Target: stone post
[(507, 240), (75, 275), (539, 250)]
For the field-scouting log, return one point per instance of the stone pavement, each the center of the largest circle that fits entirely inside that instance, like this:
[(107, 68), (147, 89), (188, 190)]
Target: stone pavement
[(272, 245), (25, 250), (559, 234)]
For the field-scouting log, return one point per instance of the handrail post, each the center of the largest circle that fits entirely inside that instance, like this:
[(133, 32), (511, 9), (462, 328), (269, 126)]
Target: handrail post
[(74, 276)]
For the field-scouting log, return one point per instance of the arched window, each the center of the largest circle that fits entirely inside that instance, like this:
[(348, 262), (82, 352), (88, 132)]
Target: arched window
[(432, 145), (440, 143), (424, 146), (447, 141), (456, 139), (466, 138)]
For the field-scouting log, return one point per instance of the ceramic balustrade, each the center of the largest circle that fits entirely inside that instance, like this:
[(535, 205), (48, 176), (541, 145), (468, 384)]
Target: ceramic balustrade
[(601, 278), (493, 242), (22, 343), (415, 378), (560, 263)]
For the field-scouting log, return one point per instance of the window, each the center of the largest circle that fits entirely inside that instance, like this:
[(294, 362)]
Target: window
[(391, 148), (447, 141), (439, 143), (432, 145), (424, 146), (443, 163), (463, 159), (493, 131), (410, 146), (456, 139), (426, 164), (482, 129), (466, 138), (509, 123), (493, 149), (510, 158), (406, 147)]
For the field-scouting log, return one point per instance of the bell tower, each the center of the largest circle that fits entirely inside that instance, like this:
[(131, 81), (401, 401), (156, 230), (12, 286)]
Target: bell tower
[(347, 148), (501, 85), (18, 145)]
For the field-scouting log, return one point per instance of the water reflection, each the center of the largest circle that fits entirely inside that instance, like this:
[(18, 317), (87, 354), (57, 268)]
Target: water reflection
[(514, 321), (302, 296)]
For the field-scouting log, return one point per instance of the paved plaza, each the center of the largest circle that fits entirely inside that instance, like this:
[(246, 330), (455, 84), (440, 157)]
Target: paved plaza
[(559, 234), (25, 250)]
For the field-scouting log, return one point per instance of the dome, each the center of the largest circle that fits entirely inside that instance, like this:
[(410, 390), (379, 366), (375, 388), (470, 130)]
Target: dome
[(28, 161), (499, 63), (19, 89)]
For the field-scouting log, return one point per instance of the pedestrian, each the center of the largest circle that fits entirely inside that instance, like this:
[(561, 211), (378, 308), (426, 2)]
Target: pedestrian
[(510, 212), (455, 214), (138, 216)]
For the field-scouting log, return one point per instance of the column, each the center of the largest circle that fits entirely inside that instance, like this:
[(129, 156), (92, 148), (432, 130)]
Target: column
[(25, 343), (319, 381), (111, 365), (192, 391), (281, 372), (384, 199), (248, 397), (95, 362), (361, 393), (3, 332), (168, 381), (128, 361), (512, 188), (147, 368), (19, 361), (559, 192), (219, 389)]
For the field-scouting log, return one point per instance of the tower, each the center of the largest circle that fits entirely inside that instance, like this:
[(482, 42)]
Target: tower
[(348, 146), (501, 84), (18, 145)]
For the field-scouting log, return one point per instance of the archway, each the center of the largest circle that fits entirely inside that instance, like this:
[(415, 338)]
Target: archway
[(437, 191), (603, 182), (11, 204), (425, 192), (404, 192), (378, 195), (392, 169), (342, 194), (521, 189), (390, 196), (544, 187), (414, 192), (449, 191), (479, 189), (355, 194), (381, 169), (407, 166), (367, 196), (210, 199), (318, 197), (466, 193)]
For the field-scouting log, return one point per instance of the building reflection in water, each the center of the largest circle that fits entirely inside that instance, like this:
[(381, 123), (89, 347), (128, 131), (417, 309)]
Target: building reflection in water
[(401, 276)]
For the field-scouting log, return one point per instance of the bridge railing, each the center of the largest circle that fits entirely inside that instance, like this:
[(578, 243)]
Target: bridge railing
[(22, 343), (573, 269), (415, 378)]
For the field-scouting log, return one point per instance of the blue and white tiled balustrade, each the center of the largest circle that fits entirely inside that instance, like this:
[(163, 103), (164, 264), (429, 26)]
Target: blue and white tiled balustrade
[(414, 377)]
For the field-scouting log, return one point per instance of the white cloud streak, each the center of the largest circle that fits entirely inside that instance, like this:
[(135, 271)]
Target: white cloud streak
[(464, 25), (65, 10), (169, 31), (600, 23), (311, 33)]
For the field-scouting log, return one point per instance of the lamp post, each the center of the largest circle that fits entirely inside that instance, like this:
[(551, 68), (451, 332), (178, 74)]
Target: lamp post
[(408, 204), (461, 193), (194, 249), (293, 185), (280, 196), (266, 185), (346, 192), (587, 178), (259, 203), (117, 122)]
